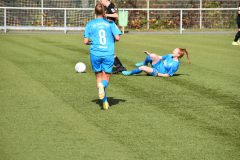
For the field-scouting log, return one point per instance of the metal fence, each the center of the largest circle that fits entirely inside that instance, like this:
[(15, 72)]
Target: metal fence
[(167, 19), (182, 19)]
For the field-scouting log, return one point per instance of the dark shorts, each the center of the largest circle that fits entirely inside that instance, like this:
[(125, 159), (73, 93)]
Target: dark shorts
[(238, 21)]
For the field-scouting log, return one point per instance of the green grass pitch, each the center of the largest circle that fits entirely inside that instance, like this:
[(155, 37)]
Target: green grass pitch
[(49, 112)]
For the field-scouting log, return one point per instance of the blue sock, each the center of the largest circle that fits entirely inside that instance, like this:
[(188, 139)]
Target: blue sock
[(136, 71), (105, 98), (147, 60), (105, 83)]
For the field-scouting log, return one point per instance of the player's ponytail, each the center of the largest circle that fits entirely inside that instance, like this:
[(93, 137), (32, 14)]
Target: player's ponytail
[(183, 52)]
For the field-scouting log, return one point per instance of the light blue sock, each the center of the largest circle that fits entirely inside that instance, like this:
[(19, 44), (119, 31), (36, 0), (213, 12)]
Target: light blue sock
[(105, 83), (105, 98), (136, 71), (145, 62)]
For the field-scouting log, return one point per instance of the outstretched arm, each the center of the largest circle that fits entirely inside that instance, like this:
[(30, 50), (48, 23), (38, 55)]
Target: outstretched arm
[(149, 70), (163, 75)]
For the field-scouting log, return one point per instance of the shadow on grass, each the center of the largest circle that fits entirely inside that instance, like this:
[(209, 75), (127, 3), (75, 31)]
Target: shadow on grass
[(111, 100), (148, 75), (180, 75)]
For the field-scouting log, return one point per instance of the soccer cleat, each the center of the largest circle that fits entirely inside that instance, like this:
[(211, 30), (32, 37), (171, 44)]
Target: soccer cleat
[(105, 105), (126, 73), (101, 91), (139, 64), (235, 43)]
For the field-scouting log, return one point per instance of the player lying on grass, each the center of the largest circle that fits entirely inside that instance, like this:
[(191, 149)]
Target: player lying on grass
[(162, 66)]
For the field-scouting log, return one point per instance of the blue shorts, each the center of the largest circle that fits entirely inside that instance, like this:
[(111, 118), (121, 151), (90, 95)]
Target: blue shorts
[(102, 63), (155, 68), (154, 72)]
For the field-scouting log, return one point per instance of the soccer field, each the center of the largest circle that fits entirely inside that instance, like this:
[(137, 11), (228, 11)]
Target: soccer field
[(49, 112)]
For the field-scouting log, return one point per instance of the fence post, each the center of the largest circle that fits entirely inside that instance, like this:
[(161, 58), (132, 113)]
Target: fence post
[(148, 15), (181, 21), (95, 2), (42, 12), (123, 21), (5, 20), (65, 20), (200, 21)]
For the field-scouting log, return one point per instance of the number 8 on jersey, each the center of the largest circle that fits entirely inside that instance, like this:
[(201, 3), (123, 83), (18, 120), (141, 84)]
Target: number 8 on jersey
[(102, 37)]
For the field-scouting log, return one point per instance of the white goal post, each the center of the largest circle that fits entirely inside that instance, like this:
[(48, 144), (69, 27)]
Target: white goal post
[(34, 18)]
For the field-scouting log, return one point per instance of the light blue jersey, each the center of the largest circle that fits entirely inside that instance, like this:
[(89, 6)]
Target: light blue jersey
[(167, 65), (101, 32)]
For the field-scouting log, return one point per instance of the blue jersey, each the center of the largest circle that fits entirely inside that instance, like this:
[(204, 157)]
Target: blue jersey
[(167, 65), (101, 32)]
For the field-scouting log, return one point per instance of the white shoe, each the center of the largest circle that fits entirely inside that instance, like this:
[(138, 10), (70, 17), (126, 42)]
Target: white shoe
[(105, 105), (235, 43)]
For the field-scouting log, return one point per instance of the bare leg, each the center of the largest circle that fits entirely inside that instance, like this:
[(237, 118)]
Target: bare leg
[(99, 76), (146, 69), (106, 76), (102, 76), (155, 58)]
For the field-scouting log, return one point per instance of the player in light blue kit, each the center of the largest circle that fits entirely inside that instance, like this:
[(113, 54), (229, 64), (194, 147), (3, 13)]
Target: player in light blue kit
[(101, 35), (162, 66)]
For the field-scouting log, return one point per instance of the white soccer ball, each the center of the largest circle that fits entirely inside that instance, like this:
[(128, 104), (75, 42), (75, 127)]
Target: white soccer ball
[(80, 67)]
